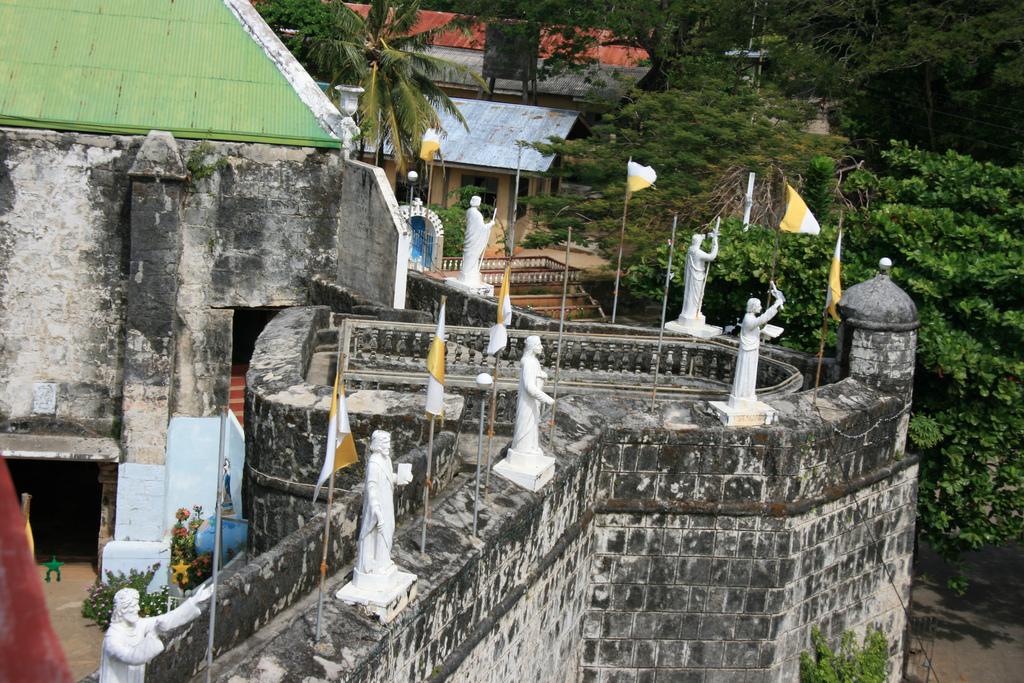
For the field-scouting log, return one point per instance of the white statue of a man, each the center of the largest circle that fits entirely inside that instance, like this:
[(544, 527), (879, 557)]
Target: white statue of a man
[(526, 437), (478, 236), (696, 276), (131, 642), (744, 382), (376, 535)]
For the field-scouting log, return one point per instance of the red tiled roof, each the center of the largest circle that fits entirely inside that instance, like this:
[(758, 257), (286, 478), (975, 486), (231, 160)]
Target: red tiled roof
[(473, 38)]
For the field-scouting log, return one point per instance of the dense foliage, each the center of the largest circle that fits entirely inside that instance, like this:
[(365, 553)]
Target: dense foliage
[(99, 604), (955, 227), (695, 138), (850, 664)]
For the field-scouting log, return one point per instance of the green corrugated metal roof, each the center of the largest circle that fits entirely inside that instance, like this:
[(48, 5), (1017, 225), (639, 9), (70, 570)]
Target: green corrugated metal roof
[(131, 66)]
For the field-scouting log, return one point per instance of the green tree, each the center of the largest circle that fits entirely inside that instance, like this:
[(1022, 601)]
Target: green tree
[(695, 138), (298, 23), (382, 54), (954, 227), (938, 74)]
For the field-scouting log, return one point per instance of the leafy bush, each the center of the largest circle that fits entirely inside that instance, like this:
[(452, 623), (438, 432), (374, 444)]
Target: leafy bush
[(851, 664), (99, 605)]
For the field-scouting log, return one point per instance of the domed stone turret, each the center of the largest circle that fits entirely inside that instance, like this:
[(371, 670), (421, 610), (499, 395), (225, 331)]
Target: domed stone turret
[(879, 304), (878, 338)]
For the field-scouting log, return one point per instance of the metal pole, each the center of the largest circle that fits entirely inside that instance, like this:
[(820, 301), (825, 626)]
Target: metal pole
[(323, 557), (479, 457), (515, 202), (216, 543), (618, 267), (561, 328), (490, 425), (427, 484), (664, 307)]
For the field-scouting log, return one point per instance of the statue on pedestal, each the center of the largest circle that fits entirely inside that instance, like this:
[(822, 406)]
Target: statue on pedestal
[(477, 237), (743, 408), (131, 642), (691, 320), (526, 463), (376, 582)]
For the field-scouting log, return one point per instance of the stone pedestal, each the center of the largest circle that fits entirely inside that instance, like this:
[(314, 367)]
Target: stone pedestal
[(743, 412), (383, 595), (481, 289), (529, 470), (695, 327)]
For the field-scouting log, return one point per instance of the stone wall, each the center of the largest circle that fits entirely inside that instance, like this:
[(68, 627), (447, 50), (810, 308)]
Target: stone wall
[(74, 215), (373, 246)]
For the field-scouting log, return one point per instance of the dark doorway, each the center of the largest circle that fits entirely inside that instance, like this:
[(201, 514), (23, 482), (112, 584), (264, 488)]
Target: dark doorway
[(65, 511), (246, 326)]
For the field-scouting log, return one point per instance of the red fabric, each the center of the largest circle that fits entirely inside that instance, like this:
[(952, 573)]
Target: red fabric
[(29, 649)]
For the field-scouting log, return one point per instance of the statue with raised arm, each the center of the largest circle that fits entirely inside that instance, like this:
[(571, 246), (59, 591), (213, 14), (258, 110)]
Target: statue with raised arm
[(377, 582), (377, 532), (743, 401), (526, 463), (132, 641), (478, 236), (691, 320)]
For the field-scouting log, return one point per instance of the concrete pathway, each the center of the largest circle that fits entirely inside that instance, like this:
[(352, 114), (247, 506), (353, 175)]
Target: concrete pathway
[(976, 638), (80, 637)]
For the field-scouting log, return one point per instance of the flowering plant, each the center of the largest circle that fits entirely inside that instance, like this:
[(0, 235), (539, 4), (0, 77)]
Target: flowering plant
[(99, 604), (183, 548)]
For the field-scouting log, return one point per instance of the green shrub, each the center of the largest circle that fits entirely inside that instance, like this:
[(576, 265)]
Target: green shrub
[(851, 664), (100, 602)]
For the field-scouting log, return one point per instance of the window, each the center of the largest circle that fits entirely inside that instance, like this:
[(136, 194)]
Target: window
[(489, 196)]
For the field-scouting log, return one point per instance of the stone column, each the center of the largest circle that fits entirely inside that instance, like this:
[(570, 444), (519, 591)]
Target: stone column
[(158, 183), (108, 506), (878, 334), (158, 176)]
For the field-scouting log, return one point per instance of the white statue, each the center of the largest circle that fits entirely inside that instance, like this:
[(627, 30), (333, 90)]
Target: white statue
[(691, 320), (478, 236), (696, 276), (373, 554), (377, 583), (131, 642), (526, 463), (744, 382)]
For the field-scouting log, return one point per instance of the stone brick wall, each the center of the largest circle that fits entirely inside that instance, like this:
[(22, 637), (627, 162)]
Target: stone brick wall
[(373, 244), (248, 235)]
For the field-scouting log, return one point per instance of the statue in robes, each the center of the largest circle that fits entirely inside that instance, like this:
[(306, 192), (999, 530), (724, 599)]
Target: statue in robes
[(744, 382), (696, 276), (531, 396), (132, 641), (478, 236), (374, 567)]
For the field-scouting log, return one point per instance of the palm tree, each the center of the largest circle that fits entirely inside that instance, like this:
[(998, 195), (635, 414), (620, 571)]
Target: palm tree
[(381, 54)]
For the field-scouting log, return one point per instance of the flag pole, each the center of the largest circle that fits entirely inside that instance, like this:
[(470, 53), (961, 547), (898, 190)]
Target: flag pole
[(618, 267), (561, 329), (427, 483), (217, 540), (327, 517), (490, 422), (824, 326), (664, 308)]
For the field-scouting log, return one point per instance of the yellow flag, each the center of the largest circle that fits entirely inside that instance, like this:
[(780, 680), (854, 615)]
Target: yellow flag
[(835, 287), (431, 143), (499, 330), (638, 177), (341, 446), (798, 217), (435, 366)]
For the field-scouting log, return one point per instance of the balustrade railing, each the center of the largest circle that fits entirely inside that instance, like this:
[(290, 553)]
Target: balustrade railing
[(389, 353)]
